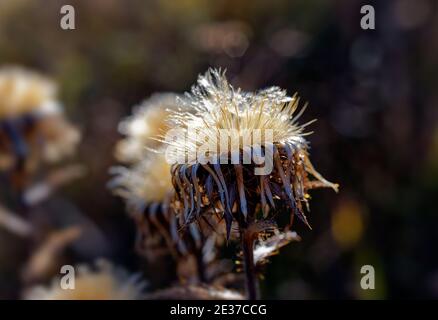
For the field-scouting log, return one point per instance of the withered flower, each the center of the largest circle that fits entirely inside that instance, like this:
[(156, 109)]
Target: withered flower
[(147, 189), (229, 124), (24, 92), (32, 124)]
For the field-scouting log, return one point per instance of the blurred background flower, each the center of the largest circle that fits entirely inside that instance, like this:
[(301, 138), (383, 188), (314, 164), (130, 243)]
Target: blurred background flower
[(105, 282), (32, 124), (143, 129)]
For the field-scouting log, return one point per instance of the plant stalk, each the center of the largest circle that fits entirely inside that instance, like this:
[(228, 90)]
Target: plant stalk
[(251, 280)]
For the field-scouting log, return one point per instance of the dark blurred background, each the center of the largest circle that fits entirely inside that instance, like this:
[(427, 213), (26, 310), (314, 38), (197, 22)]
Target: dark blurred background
[(374, 93)]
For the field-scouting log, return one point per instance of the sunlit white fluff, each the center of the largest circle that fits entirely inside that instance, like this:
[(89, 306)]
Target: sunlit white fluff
[(218, 106)]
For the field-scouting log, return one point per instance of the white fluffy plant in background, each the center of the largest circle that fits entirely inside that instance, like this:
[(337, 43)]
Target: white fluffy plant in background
[(23, 92), (34, 132), (146, 182), (33, 126), (141, 129), (100, 282)]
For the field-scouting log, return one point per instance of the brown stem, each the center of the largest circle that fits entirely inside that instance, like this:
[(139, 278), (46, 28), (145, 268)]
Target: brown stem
[(201, 267), (247, 241)]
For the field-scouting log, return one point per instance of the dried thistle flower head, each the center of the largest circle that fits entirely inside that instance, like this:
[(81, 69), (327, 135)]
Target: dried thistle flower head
[(243, 154), (32, 124), (145, 183), (106, 282), (142, 128), (222, 113), (146, 186), (147, 189)]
